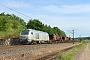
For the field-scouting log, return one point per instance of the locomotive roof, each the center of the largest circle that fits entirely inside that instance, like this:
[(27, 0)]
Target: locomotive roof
[(35, 30)]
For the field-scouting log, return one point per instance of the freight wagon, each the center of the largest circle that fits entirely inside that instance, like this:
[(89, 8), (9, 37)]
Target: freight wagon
[(30, 36), (54, 38)]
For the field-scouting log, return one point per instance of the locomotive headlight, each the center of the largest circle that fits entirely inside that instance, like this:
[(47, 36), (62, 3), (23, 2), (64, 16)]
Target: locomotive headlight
[(23, 37)]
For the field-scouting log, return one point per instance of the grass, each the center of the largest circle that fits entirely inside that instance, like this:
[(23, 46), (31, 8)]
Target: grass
[(70, 53)]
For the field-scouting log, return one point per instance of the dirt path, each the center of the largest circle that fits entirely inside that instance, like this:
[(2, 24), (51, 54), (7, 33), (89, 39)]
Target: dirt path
[(83, 54)]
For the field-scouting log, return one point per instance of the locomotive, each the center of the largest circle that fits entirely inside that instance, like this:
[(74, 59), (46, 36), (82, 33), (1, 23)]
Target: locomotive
[(31, 36)]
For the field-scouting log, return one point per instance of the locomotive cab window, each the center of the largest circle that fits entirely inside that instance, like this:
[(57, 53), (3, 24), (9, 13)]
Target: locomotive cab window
[(32, 33), (25, 32)]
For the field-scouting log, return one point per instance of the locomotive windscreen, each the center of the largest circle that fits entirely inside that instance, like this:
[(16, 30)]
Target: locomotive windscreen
[(25, 32)]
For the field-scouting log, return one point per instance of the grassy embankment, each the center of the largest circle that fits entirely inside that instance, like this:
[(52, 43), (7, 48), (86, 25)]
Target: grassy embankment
[(70, 53)]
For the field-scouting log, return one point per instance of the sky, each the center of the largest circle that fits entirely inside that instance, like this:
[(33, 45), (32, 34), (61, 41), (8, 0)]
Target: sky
[(67, 15)]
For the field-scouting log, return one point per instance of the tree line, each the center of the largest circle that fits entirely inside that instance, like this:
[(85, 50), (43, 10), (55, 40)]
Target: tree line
[(11, 25), (38, 25)]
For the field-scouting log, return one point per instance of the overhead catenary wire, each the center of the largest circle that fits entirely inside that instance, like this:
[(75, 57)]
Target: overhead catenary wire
[(14, 10)]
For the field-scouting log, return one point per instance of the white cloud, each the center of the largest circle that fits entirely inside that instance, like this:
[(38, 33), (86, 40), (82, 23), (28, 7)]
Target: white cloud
[(66, 9), (64, 22), (15, 4)]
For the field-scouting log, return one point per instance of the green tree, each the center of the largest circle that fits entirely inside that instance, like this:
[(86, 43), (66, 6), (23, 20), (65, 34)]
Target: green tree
[(10, 25), (3, 22), (35, 24)]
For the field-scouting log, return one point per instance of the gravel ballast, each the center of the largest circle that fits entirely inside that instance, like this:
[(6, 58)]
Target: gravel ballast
[(33, 52)]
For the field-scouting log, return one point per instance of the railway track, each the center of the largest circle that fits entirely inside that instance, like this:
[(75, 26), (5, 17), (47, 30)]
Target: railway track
[(49, 57), (20, 46), (32, 52), (3, 47)]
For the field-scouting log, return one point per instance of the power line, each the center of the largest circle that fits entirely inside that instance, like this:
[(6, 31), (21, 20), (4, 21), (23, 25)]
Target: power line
[(14, 10), (73, 34)]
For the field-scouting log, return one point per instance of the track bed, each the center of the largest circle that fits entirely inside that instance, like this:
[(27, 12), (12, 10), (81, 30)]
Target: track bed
[(31, 52)]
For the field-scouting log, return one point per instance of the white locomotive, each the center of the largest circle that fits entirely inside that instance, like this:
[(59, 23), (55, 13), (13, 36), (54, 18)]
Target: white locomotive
[(30, 36)]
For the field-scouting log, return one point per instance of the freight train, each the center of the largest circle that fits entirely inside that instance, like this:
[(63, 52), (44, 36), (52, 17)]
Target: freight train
[(30, 36)]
